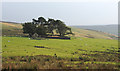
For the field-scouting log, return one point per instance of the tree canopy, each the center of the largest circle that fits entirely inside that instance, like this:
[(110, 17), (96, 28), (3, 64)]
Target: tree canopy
[(44, 28)]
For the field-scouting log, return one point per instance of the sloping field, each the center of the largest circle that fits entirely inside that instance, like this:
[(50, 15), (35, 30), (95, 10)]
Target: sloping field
[(10, 29), (6, 25), (81, 53), (92, 34), (86, 50)]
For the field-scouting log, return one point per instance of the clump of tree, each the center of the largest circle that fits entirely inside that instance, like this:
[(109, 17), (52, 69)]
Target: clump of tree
[(43, 28)]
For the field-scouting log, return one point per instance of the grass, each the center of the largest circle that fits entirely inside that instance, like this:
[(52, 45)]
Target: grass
[(20, 46), (78, 53), (9, 29), (75, 53)]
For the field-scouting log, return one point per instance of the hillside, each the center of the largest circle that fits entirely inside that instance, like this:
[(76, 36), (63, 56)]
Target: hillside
[(13, 29), (77, 53), (92, 34), (111, 29), (81, 52)]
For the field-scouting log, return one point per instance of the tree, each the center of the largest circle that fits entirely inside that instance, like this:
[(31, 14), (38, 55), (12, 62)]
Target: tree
[(51, 27), (61, 27), (35, 21), (41, 31), (69, 29), (43, 27), (29, 28), (35, 35), (41, 20)]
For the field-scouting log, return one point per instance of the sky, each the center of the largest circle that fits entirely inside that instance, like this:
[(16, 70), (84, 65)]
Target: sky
[(94, 12)]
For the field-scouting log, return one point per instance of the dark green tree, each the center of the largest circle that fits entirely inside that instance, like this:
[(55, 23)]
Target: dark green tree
[(43, 27), (61, 27), (41, 31), (29, 28), (69, 30), (41, 20), (51, 25)]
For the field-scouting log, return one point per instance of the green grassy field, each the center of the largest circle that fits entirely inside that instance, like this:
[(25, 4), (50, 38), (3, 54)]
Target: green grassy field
[(19, 46), (81, 52), (91, 51)]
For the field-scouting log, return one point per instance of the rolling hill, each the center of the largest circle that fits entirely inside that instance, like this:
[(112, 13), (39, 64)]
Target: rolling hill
[(11, 29), (111, 29), (14, 29), (87, 49)]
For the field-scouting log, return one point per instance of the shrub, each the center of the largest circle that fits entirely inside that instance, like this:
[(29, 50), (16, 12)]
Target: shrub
[(22, 56), (47, 59), (59, 58), (13, 58), (29, 60), (55, 55), (59, 64), (80, 58), (71, 59)]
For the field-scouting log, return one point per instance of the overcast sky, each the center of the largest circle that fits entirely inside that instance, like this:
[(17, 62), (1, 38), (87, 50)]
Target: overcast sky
[(72, 13)]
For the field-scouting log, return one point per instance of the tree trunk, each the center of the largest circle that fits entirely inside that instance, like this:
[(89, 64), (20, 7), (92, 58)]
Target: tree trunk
[(30, 35)]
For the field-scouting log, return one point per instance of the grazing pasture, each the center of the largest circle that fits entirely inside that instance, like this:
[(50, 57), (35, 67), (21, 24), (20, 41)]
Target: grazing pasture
[(86, 49), (74, 53), (22, 46)]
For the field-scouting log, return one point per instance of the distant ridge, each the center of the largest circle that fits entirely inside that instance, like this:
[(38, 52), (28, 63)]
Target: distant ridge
[(111, 29), (10, 22)]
